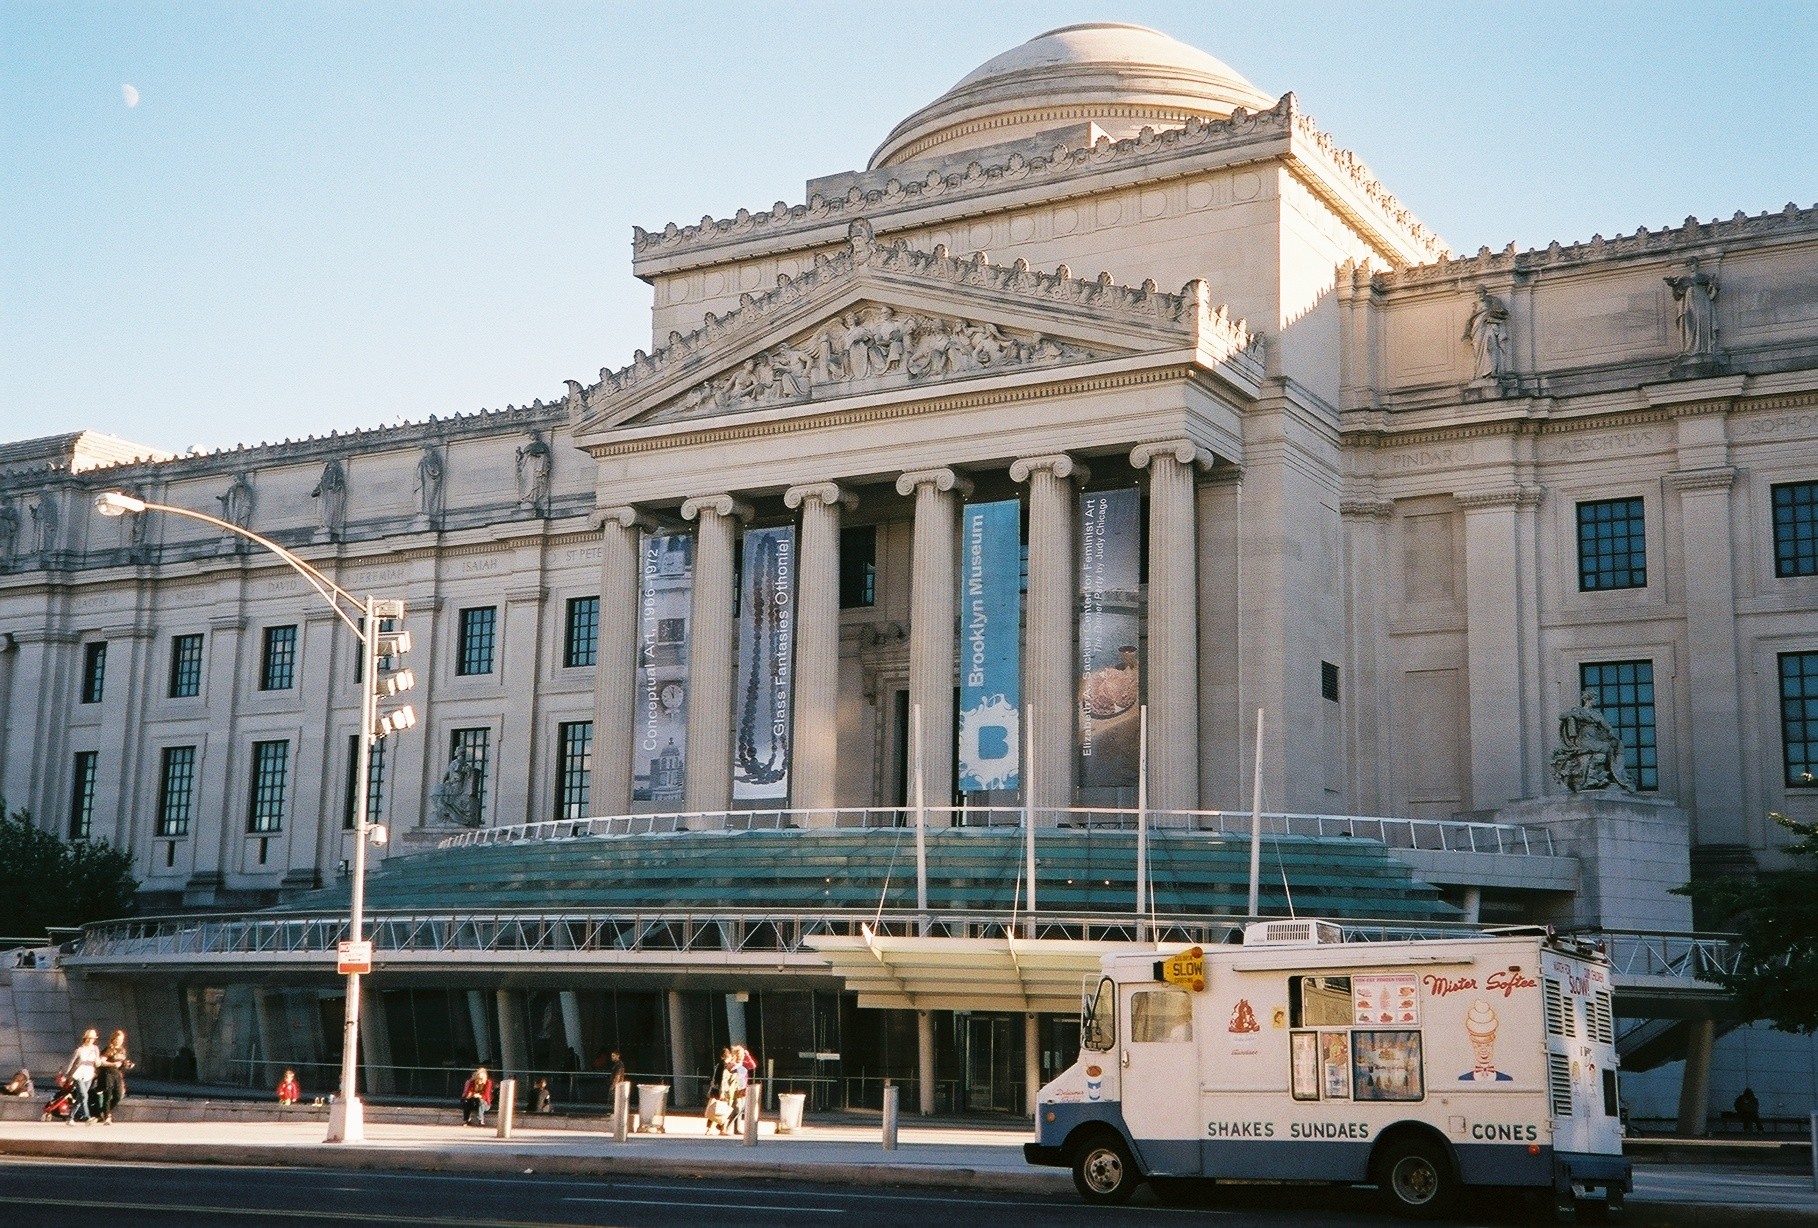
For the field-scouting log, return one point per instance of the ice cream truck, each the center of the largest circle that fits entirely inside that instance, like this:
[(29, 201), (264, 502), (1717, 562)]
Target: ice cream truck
[(1421, 1066)]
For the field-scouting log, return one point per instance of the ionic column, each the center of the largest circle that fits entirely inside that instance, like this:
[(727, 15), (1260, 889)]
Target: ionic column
[(814, 765), (616, 658), (1173, 622), (1049, 658), (708, 781), (934, 563)]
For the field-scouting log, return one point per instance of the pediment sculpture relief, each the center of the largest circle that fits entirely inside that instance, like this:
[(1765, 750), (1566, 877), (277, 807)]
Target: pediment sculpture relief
[(872, 346)]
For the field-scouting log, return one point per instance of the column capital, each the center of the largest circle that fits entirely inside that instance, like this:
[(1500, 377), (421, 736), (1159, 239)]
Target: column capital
[(940, 479), (828, 493), (1718, 477), (1185, 451), (719, 505), (1058, 463), (625, 517)]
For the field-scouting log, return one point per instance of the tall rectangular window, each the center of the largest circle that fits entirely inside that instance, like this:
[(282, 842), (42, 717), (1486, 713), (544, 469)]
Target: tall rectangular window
[(185, 666), (375, 782), (94, 671), (1795, 529), (574, 773), (580, 643), (265, 806), (82, 795), (176, 790), (1612, 545), (1799, 717), (471, 744), (278, 659), (1625, 696), (858, 566), (479, 627)]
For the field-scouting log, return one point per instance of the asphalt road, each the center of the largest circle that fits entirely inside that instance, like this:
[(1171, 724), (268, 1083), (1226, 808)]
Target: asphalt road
[(65, 1195)]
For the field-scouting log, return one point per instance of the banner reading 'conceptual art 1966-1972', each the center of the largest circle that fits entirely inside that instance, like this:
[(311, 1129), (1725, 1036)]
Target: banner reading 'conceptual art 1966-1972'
[(766, 677), (665, 591), (990, 656), (1110, 626)]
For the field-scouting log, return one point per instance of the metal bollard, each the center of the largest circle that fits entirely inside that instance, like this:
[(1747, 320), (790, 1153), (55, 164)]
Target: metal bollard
[(1815, 1151), (754, 1111), (891, 1093), (508, 1104), (621, 1111)]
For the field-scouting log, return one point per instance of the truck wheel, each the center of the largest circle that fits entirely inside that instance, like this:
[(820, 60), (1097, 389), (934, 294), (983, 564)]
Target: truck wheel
[(1416, 1180), (1103, 1171)]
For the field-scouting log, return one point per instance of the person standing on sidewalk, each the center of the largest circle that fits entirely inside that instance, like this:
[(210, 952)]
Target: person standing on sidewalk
[(1748, 1109), (83, 1064), (476, 1097), (289, 1092), (114, 1065)]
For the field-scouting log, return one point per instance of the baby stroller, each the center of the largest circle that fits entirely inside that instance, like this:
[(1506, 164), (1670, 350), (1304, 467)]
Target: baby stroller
[(62, 1101)]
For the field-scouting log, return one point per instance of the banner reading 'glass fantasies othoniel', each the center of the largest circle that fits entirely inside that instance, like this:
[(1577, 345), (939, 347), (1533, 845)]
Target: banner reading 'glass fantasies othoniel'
[(990, 657), (1110, 626), (766, 677), (665, 591)]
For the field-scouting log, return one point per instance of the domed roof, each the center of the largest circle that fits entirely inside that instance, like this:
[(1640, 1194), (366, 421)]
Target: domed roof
[(1119, 77)]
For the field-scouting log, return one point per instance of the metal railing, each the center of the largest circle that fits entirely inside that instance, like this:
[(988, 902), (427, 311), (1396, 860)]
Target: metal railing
[(1681, 956), (1434, 835)]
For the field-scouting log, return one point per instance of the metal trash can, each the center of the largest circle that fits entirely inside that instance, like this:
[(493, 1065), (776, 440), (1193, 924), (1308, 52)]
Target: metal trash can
[(651, 1100), (789, 1108)]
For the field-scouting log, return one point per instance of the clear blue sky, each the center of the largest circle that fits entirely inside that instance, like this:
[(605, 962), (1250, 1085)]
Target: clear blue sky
[(334, 215)]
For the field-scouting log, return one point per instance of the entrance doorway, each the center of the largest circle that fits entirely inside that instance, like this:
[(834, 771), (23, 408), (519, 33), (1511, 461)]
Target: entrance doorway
[(993, 1062)]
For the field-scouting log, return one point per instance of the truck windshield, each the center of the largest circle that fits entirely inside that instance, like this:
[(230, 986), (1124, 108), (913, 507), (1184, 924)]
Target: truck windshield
[(1098, 1018)]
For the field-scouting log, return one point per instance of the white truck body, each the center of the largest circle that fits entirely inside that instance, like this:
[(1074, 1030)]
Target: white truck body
[(1301, 1056)]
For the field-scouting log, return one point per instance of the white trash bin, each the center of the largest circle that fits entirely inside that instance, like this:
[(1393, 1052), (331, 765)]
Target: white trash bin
[(651, 1100), (789, 1108)]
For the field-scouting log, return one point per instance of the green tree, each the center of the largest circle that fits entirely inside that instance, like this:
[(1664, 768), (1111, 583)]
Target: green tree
[(1775, 916), (46, 881)]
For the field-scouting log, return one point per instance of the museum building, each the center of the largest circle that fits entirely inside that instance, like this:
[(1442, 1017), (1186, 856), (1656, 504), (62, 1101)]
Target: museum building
[(940, 555)]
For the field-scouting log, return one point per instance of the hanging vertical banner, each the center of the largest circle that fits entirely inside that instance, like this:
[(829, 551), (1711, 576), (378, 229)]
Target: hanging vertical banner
[(1110, 628), (665, 591), (766, 678), (990, 657)]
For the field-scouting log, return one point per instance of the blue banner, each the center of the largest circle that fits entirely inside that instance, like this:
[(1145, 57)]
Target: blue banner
[(990, 652), (665, 591), (766, 678)]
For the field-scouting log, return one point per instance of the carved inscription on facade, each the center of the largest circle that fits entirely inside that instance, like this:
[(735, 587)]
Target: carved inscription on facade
[(478, 565), (1780, 424), (582, 554), (1426, 458), (1573, 447)]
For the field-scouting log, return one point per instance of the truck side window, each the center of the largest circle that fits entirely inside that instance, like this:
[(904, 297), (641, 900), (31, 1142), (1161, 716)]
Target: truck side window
[(1098, 1022), (1319, 1002), (1161, 1015)]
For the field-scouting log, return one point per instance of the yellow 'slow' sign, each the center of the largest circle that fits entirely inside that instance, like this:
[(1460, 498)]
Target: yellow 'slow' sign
[(1187, 969)]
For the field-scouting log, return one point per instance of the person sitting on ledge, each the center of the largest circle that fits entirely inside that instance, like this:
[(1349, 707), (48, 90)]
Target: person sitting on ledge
[(19, 1085)]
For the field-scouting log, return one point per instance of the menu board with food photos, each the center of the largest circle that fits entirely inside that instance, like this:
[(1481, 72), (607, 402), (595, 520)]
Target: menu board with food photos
[(1386, 1001)]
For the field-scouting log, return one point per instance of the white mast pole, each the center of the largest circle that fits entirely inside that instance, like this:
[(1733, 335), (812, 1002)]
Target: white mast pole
[(1142, 812), (1029, 806), (1256, 819), (921, 816)]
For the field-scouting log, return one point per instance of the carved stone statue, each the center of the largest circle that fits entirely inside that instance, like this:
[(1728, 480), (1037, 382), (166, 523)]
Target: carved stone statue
[(332, 491), (533, 473), (237, 503), (9, 531), (1488, 332), (44, 523), (1696, 294), (457, 799), (430, 471), (1590, 752)]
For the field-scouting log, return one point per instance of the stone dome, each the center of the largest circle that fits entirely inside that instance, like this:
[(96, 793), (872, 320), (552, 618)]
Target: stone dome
[(1117, 77)]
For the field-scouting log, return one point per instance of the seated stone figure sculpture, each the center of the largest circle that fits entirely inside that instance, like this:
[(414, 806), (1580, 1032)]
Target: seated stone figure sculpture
[(1590, 751)]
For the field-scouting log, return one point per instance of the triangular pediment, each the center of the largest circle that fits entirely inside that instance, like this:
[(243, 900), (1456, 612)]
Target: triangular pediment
[(876, 319)]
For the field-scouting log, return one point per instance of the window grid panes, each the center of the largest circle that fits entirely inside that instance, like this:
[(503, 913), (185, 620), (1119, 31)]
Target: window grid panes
[(270, 766), (574, 775), (1799, 717), (580, 644), (1612, 545), (94, 671), (472, 744), (858, 567), (1796, 529), (82, 795), (185, 666), (375, 782), (176, 790), (1625, 696), (478, 629), (278, 661)]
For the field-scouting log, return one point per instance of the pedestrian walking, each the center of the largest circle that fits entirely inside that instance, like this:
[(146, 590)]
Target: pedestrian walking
[(114, 1065), (81, 1069), (476, 1097)]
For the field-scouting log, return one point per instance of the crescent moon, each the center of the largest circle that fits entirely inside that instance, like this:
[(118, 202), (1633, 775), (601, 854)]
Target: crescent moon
[(131, 94)]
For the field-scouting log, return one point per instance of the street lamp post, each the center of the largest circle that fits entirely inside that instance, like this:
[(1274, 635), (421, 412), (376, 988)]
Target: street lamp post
[(367, 618)]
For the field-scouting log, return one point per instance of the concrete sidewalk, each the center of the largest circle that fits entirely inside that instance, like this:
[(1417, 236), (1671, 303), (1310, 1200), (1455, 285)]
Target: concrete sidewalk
[(943, 1156)]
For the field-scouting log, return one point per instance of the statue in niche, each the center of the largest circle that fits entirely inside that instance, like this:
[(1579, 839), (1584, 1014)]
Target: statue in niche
[(1589, 757), (1696, 294), (430, 472), (44, 523), (9, 531), (457, 799), (332, 491), (237, 503), (533, 474), (1488, 332)]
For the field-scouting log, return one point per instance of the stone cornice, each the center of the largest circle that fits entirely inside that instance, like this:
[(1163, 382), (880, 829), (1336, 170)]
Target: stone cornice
[(1367, 509), (723, 505), (1718, 477), (1518, 497), (1061, 465), (1063, 163)]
